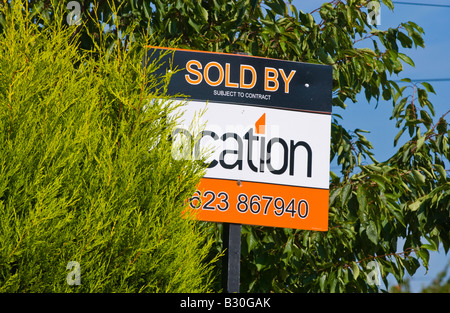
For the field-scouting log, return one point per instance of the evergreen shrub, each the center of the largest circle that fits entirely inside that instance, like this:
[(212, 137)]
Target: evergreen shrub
[(86, 172)]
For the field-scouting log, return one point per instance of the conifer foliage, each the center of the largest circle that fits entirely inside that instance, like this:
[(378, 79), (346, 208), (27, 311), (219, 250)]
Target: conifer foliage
[(86, 173)]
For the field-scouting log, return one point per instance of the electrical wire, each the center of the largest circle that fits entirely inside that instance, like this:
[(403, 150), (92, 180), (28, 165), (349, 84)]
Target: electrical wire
[(423, 4), (425, 80)]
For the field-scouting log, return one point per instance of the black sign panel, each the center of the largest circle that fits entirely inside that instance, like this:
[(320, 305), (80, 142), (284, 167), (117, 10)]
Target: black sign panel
[(242, 79)]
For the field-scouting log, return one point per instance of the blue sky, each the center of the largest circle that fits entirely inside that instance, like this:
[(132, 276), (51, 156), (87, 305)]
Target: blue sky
[(430, 63)]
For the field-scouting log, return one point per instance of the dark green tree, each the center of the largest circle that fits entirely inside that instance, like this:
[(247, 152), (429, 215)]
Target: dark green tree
[(373, 203)]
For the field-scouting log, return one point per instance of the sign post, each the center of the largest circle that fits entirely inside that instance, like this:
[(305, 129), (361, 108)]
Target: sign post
[(268, 124), (231, 268)]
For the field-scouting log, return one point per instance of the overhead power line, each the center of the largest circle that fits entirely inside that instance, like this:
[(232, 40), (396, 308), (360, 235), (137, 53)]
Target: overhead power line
[(427, 80), (423, 4)]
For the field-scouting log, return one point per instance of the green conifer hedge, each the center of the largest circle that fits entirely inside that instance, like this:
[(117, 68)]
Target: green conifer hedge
[(86, 172)]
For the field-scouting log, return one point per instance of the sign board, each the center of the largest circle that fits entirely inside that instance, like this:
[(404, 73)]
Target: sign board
[(267, 124)]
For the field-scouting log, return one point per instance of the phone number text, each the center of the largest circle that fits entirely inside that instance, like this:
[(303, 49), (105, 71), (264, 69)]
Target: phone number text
[(256, 204)]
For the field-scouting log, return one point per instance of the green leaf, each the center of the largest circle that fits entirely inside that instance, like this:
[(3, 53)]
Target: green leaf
[(277, 8), (346, 193), (426, 117), (371, 232), (415, 205), (288, 247), (334, 195), (434, 243), (373, 167), (361, 196), (397, 212), (404, 40), (411, 265), (194, 25), (251, 241), (322, 281), (420, 143), (204, 13), (441, 170), (442, 127), (355, 270), (420, 178), (380, 180), (424, 255), (147, 10), (428, 87), (389, 4)]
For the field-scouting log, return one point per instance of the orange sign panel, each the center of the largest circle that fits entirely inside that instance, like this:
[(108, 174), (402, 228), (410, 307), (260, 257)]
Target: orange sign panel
[(220, 200)]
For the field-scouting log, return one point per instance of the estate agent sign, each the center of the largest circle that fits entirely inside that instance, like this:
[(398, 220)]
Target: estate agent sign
[(267, 124)]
